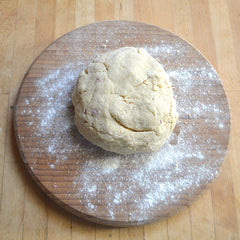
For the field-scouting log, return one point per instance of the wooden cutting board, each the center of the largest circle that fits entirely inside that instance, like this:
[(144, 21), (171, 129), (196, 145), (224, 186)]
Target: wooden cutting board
[(104, 187)]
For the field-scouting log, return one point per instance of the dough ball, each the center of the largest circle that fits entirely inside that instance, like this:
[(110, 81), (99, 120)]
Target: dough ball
[(124, 102)]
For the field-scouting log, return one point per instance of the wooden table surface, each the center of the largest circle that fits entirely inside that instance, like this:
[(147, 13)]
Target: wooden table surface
[(28, 26)]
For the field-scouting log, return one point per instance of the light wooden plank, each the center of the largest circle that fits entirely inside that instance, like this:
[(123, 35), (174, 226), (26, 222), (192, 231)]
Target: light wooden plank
[(162, 14), (179, 226), (234, 9), (23, 56), (24, 44), (84, 12), (82, 230), (222, 192), (202, 29), (8, 17), (233, 12), (104, 10), (156, 231), (11, 150), (12, 206), (152, 12), (225, 218), (131, 233), (223, 40), (3, 128), (59, 223), (143, 11), (3, 124), (124, 10), (35, 212), (202, 220), (104, 232), (45, 25), (65, 17), (235, 153), (181, 13)]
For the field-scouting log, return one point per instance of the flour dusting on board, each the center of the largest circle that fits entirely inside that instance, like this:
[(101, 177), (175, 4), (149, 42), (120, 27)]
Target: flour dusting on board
[(153, 179)]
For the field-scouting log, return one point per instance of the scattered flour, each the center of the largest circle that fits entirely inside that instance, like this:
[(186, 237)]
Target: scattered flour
[(150, 180)]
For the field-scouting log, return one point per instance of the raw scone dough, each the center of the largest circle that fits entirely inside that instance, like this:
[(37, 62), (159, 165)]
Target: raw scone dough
[(124, 102)]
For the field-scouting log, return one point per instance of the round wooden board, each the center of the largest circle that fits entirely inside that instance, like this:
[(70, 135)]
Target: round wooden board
[(104, 187)]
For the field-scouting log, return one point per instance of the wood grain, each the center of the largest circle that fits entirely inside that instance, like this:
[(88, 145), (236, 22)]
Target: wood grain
[(35, 220), (65, 12), (3, 126), (219, 194), (84, 12), (222, 37), (184, 230), (202, 211), (83, 230), (156, 231), (124, 9), (8, 19), (234, 157), (233, 13)]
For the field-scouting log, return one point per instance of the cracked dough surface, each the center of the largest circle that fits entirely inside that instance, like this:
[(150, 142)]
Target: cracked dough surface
[(124, 102)]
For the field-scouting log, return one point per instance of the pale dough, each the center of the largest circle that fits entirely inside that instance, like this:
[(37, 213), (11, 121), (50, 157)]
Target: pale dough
[(124, 102)]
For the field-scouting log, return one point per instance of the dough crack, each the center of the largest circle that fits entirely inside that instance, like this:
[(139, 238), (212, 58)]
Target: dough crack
[(130, 129), (105, 65), (143, 82)]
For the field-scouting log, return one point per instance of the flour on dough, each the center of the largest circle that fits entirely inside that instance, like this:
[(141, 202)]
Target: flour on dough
[(124, 102)]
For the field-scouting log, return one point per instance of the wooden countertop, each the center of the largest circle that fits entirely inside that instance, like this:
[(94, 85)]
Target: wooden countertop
[(28, 26)]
